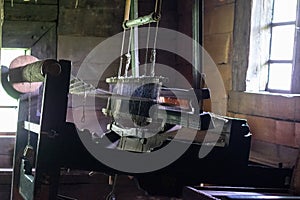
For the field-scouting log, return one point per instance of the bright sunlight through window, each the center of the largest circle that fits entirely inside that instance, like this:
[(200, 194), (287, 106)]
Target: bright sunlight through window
[(8, 105), (282, 45)]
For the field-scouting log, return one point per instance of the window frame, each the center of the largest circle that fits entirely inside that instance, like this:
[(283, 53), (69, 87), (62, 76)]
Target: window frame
[(296, 62), (294, 88), (250, 47)]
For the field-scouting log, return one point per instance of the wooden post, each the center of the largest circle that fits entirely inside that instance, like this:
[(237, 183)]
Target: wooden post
[(127, 10), (295, 185)]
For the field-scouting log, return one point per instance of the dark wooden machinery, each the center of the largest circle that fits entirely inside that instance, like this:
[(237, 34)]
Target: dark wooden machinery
[(46, 143)]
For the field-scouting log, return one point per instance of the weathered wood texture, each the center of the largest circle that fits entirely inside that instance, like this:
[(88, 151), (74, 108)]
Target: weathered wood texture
[(23, 34), (1, 22), (5, 182), (281, 107), (79, 185), (296, 72), (45, 47), (109, 4), (257, 73), (91, 18), (241, 34), (30, 25), (40, 2), (30, 12), (6, 150)]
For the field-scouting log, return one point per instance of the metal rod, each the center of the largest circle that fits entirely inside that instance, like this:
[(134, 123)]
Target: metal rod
[(34, 72), (140, 21)]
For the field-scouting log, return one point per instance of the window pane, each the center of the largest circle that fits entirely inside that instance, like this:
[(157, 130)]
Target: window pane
[(8, 119), (280, 76), (282, 43), (284, 10), (7, 55)]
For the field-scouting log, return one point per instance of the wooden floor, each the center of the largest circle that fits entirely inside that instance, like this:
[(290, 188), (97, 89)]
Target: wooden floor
[(98, 188)]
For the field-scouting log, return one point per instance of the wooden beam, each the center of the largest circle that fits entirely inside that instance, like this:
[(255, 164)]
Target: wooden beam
[(23, 34), (99, 22), (46, 46), (40, 2), (241, 43), (30, 12), (280, 107)]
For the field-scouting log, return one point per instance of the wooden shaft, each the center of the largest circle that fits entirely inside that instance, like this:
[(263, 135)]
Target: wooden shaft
[(127, 10), (34, 72)]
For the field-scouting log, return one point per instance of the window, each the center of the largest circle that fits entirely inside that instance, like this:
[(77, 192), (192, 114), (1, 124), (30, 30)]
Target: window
[(8, 105), (280, 64), (274, 63)]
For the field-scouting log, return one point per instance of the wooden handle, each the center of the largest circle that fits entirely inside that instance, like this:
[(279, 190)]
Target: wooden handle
[(127, 10)]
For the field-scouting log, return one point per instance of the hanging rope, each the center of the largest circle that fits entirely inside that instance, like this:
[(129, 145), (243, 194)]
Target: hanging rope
[(84, 107), (128, 55), (76, 3), (153, 54), (126, 18), (29, 112), (121, 55), (147, 50)]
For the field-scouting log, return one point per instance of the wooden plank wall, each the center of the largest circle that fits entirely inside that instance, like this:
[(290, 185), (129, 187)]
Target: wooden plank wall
[(7, 143), (26, 23)]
